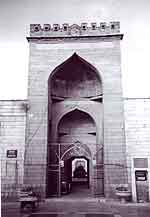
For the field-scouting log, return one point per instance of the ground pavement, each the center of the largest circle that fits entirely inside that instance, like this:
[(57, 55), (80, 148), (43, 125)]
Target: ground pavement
[(79, 207)]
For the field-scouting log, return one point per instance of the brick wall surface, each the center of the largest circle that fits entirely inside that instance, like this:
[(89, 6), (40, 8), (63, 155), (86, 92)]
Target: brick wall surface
[(12, 134), (12, 131), (137, 128)]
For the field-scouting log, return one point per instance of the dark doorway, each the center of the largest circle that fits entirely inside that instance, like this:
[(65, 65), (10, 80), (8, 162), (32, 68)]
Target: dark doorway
[(76, 172)]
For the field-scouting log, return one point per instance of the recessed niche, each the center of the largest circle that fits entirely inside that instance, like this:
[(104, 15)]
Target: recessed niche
[(75, 78)]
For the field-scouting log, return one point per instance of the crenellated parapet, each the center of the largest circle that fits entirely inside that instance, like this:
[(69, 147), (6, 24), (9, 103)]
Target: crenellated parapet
[(66, 30)]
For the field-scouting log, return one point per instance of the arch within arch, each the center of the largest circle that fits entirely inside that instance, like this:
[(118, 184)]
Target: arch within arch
[(74, 79), (77, 150), (77, 138)]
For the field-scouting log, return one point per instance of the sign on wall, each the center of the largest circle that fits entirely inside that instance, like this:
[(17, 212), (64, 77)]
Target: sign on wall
[(12, 153), (141, 175)]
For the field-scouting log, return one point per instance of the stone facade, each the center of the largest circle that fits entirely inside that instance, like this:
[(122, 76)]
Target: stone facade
[(12, 133), (99, 46), (137, 128), (13, 121)]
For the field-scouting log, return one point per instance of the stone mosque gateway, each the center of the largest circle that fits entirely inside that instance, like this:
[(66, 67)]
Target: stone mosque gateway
[(75, 121)]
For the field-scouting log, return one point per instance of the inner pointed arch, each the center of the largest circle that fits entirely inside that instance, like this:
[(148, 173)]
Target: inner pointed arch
[(77, 119)]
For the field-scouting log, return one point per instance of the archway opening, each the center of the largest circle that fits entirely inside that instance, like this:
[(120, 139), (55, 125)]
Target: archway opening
[(77, 174), (77, 126), (75, 78), (75, 96), (77, 136)]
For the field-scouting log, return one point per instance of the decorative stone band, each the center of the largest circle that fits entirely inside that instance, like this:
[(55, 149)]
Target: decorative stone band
[(85, 38), (74, 30)]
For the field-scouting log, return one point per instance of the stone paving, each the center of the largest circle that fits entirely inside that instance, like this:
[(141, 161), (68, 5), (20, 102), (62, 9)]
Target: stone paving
[(79, 208)]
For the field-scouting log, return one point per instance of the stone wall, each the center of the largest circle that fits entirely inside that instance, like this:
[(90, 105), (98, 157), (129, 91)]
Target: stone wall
[(137, 128), (12, 133)]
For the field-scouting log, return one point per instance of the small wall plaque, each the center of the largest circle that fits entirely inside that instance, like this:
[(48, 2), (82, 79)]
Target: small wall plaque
[(141, 175), (12, 153)]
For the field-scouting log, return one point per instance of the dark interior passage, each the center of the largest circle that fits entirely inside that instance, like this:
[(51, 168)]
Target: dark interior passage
[(76, 173)]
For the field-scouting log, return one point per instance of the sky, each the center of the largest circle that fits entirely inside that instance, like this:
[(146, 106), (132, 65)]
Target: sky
[(16, 16)]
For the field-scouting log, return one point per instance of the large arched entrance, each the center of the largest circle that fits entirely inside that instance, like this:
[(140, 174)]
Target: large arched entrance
[(77, 144), (75, 128)]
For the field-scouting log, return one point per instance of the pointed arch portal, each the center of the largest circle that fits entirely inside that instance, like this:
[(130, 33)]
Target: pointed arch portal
[(75, 78), (73, 138)]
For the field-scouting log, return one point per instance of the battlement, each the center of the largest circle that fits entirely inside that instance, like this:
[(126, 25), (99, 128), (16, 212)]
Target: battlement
[(66, 30)]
